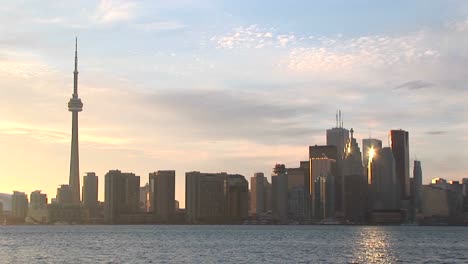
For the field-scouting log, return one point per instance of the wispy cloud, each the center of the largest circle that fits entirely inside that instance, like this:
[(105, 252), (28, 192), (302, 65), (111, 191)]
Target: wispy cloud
[(253, 36), (110, 11), (160, 26), (415, 85)]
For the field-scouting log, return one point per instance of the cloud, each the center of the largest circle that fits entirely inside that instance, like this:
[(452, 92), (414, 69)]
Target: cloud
[(415, 85), (253, 36), (436, 132), (110, 11), (161, 26)]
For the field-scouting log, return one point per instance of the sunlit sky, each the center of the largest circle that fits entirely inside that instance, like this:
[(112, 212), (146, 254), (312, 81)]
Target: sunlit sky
[(231, 86)]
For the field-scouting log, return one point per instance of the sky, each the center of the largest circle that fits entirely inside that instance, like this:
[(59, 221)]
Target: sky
[(226, 86)]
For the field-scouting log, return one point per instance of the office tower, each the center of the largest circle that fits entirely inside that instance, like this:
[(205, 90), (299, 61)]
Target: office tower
[(257, 194), (399, 142), (369, 147), (75, 106), (298, 192), (267, 197), (417, 186), (90, 190), (64, 194), (237, 198), (204, 197), (322, 171), (355, 183), (19, 205), (338, 137), (162, 194), (37, 212), (384, 186), (122, 191), (279, 182)]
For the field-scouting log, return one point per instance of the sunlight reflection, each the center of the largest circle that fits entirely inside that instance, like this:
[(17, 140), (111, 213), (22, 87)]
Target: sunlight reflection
[(374, 246)]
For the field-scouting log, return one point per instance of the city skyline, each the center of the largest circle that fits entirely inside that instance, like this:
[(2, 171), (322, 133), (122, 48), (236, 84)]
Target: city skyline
[(142, 119)]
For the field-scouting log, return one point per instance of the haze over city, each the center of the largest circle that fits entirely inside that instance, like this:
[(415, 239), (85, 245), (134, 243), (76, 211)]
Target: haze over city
[(164, 87)]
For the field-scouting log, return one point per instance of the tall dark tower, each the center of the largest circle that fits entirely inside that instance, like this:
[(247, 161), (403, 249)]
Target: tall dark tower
[(75, 106), (399, 142)]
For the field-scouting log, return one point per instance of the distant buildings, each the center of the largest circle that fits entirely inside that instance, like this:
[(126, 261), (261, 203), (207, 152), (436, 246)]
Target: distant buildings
[(258, 194), (384, 186), (215, 197), (64, 194), (417, 186), (19, 206), (298, 192), (121, 195), (162, 194)]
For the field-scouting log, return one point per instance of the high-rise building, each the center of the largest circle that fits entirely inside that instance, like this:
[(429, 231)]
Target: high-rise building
[(322, 166), (64, 194), (369, 145), (384, 186), (237, 198), (298, 192), (75, 106), (19, 205), (257, 194), (1, 213), (90, 190), (122, 193), (204, 197), (145, 205), (279, 182), (355, 183), (417, 186), (162, 194), (37, 212), (338, 137), (399, 142)]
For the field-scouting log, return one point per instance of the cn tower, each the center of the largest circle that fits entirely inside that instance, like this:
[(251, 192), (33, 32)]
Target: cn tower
[(75, 106)]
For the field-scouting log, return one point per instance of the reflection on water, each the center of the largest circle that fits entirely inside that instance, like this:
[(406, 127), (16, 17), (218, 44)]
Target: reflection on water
[(233, 244), (374, 245)]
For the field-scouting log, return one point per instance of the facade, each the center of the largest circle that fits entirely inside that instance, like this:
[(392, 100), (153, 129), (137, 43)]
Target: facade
[(257, 194), (69, 213), (279, 181), (37, 212), (399, 140), (162, 194), (75, 106), (367, 145), (64, 194), (237, 198), (19, 206), (384, 185), (121, 195), (322, 171), (204, 197)]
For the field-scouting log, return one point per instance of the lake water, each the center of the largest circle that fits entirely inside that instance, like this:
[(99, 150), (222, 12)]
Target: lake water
[(233, 244)]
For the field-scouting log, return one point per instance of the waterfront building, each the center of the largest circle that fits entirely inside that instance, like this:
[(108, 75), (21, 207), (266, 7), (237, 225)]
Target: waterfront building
[(121, 195), (162, 194), (399, 142), (384, 185), (417, 186), (90, 194), (298, 192), (2, 219), (37, 212), (237, 198), (64, 194), (322, 164), (19, 206), (257, 194), (204, 197), (75, 106), (279, 181), (338, 137)]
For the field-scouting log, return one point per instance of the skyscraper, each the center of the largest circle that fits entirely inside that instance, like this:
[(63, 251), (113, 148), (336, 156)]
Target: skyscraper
[(417, 186), (19, 205), (64, 194), (122, 195), (162, 194), (90, 193), (75, 106), (384, 185), (37, 212), (257, 193), (338, 137), (279, 183), (237, 198), (298, 192), (399, 142)]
